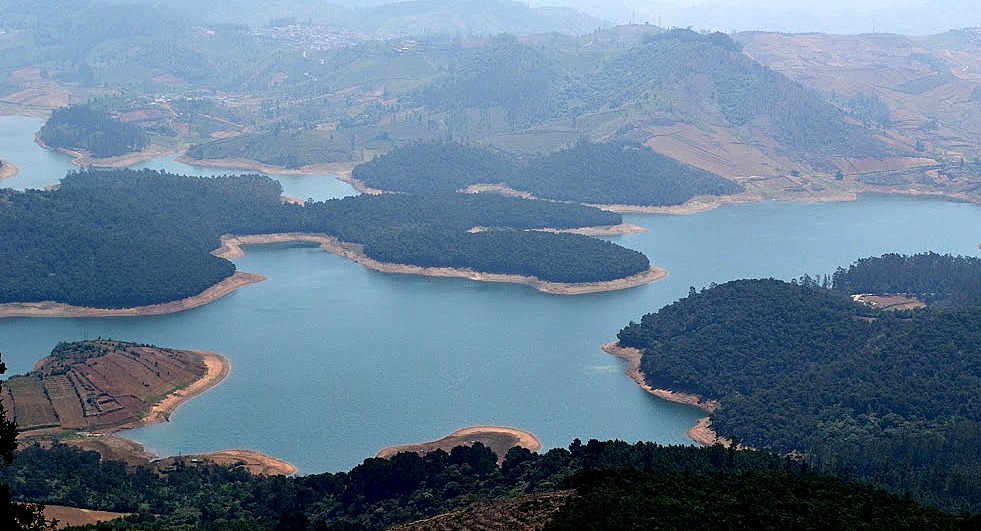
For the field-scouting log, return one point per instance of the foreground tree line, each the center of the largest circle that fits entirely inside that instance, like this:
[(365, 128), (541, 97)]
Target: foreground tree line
[(619, 486), (124, 238), (797, 367)]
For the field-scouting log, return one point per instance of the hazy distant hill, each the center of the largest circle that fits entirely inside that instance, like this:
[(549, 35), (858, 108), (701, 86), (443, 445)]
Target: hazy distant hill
[(927, 88), (412, 17), (930, 87)]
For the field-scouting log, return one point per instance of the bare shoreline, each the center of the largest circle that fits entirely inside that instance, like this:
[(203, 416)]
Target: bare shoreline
[(231, 248), (465, 436), (8, 170), (84, 158), (253, 165), (54, 309), (218, 367), (701, 432)]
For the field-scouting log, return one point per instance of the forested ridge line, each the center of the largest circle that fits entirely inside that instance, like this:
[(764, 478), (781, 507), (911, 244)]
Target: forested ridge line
[(125, 238), (622, 173), (888, 395)]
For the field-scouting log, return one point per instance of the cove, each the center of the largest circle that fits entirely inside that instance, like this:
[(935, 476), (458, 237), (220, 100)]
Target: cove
[(40, 167), (332, 362)]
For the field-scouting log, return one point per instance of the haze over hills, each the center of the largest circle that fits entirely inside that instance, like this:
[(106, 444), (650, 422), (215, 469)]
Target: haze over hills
[(411, 17), (553, 122), (917, 17)]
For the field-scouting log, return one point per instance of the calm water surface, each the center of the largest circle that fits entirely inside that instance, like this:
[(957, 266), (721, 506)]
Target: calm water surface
[(331, 361)]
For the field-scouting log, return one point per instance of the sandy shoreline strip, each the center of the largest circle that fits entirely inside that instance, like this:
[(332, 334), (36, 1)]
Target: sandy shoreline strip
[(253, 165), (231, 249), (8, 170), (360, 186), (490, 436), (217, 368), (701, 432), (54, 309), (83, 158)]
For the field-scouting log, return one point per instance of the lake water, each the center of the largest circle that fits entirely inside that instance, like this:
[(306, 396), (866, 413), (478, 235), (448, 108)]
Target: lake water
[(332, 362)]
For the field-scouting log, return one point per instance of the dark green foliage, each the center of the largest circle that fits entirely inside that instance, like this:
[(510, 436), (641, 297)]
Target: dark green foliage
[(129, 238), (614, 173), (890, 396), (552, 257), (288, 149), (618, 483), (761, 501), (933, 278), (94, 130), (427, 167), (618, 173)]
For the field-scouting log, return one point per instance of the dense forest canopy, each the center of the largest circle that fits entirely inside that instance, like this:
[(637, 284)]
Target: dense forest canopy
[(611, 173), (668, 485), (933, 278), (127, 238), (891, 396), (88, 128)]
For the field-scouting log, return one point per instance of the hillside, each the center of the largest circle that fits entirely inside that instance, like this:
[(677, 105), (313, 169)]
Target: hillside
[(925, 87), (888, 395)]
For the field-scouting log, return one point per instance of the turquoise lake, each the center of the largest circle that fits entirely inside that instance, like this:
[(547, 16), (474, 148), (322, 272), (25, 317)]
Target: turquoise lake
[(332, 362)]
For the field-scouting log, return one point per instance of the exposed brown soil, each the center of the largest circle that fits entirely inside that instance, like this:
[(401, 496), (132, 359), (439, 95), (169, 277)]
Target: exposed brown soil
[(715, 149), (85, 159), (501, 189), (105, 386), (889, 302), (71, 516), (527, 513), (602, 230), (702, 432), (44, 96), (255, 463), (943, 113), (497, 438), (8, 170), (54, 309), (231, 248)]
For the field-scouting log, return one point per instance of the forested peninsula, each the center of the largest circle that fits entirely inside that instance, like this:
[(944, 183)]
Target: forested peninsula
[(618, 173), (93, 130), (801, 367), (126, 238)]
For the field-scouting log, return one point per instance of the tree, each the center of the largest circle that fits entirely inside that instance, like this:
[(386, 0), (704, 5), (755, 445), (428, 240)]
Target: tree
[(16, 516)]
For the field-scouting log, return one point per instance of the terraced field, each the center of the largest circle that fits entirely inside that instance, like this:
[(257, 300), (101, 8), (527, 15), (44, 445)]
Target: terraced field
[(97, 385)]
